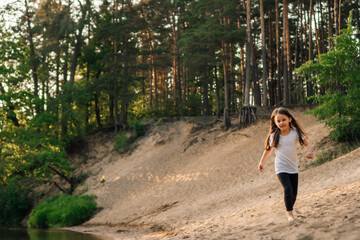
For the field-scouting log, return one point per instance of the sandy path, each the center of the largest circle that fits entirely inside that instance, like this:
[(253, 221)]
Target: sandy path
[(180, 183)]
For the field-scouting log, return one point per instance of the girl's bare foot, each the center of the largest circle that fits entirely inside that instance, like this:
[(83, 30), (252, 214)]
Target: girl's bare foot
[(290, 216)]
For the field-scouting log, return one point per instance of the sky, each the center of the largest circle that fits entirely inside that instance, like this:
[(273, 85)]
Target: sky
[(4, 2), (10, 19)]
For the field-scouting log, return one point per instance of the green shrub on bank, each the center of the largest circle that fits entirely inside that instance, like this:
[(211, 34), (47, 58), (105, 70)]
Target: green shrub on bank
[(62, 211), (121, 142), (15, 202), (338, 73), (138, 128)]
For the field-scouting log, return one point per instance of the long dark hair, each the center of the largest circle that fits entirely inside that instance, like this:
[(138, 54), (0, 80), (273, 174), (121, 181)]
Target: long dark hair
[(274, 129)]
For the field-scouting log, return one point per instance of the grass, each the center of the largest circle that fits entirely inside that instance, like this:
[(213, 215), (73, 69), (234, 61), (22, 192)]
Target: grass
[(121, 142), (62, 211), (339, 150)]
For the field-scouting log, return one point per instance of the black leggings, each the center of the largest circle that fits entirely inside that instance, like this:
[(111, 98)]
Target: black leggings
[(290, 183)]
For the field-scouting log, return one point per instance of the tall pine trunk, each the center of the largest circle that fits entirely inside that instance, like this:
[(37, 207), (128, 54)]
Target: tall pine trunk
[(124, 89), (116, 73), (278, 55), (217, 89), (248, 55), (286, 54), (206, 106), (65, 102), (256, 89), (263, 52), (226, 86), (318, 47), (176, 66), (336, 17), (33, 61), (330, 25), (272, 83), (309, 83)]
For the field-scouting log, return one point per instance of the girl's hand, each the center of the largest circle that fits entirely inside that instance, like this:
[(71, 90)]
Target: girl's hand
[(309, 155), (261, 167)]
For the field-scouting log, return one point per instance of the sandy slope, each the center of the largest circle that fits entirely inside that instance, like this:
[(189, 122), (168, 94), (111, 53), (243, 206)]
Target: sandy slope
[(186, 182)]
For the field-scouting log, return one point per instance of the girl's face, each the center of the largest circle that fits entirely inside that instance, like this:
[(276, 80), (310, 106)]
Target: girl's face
[(282, 122)]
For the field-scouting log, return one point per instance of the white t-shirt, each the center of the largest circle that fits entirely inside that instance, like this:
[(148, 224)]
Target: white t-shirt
[(285, 161)]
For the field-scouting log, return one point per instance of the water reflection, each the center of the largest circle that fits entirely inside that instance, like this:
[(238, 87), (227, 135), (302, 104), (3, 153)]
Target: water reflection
[(37, 234)]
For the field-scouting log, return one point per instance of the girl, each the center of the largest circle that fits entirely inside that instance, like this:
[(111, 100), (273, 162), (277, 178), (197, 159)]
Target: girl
[(283, 135)]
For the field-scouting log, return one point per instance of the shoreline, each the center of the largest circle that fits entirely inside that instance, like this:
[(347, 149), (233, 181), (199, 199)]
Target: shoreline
[(117, 232)]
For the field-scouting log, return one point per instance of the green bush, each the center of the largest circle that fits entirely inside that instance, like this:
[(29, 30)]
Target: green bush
[(62, 211), (121, 142), (138, 128), (15, 202), (338, 72)]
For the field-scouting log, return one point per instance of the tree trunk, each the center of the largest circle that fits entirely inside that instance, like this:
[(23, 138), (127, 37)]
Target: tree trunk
[(357, 17), (57, 72), (248, 55), (257, 93), (232, 77), (309, 84), (242, 75), (278, 55), (206, 106), (337, 17), (330, 25), (272, 84), (322, 36), (97, 109), (226, 87), (57, 81), (285, 40), (33, 60), (316, 34), (78, 44), (151, 67), (263, 52), (217, 89), (115, 74), (156, 85), (124, 89), (181, 111), (65, 102), (176, 66)]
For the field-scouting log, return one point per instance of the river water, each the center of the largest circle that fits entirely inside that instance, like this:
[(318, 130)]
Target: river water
[(38, 234)]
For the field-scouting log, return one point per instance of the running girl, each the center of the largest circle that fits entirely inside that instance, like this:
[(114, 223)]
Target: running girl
[(284, 133)]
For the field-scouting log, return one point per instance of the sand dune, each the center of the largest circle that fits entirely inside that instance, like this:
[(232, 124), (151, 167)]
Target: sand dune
[(187, 181)]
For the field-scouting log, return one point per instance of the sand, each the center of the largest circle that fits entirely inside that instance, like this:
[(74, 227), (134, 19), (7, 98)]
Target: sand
[(186, 180)]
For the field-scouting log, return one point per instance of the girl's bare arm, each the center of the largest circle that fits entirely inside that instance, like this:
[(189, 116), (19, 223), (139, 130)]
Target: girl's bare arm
[(265, 156), (308, 147)]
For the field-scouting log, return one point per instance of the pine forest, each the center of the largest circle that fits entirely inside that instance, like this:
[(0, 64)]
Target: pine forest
[(71, 67)]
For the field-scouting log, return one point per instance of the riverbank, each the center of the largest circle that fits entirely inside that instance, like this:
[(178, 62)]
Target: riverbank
[(183, 181)]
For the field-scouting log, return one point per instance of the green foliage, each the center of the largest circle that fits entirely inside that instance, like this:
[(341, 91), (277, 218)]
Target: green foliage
[(121, 142), (334, 152), (32, 153), (159, 122), (123, 139), (138, 128), (193, 105), (15, 202), (338, 71), (139, 109), (62, 211)]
